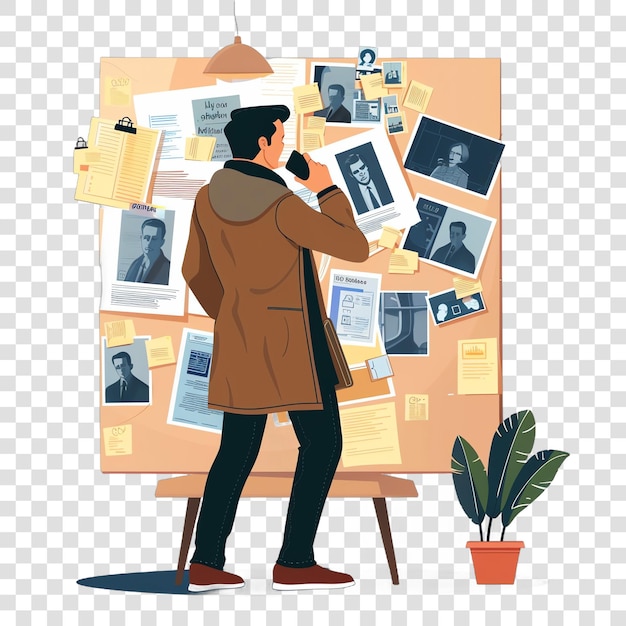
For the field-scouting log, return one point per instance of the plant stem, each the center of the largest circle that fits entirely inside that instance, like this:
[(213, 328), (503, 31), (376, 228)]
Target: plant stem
[(502, 534), (489, 528), (480, 528)]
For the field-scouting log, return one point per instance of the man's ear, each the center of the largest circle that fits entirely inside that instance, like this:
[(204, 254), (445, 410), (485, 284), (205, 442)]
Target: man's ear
[(262, 143)]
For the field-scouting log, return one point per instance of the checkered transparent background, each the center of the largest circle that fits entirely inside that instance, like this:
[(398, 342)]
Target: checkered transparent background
[(564, 235)]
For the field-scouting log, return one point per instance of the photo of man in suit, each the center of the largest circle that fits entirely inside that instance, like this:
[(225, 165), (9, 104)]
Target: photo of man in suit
[(369, 194), (455, 254), (128, 388), (152, 266), (335, 111)]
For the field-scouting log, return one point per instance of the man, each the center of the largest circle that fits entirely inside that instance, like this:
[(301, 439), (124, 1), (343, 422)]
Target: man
[(128, 388), (335, 111), (248, 262), (455, 254), (368, 196), (152, 266), (453, 173)]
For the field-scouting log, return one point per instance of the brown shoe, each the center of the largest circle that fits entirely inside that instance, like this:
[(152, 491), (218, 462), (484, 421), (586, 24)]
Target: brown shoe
[(205, 578), (314, 577)]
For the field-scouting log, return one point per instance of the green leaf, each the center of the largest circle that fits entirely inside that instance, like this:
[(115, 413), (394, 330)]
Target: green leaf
[(510, 447), (531, 482), (470, 479)]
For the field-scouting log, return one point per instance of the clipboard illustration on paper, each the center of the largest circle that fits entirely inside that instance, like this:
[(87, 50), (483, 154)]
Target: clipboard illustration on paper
[(127, 160)]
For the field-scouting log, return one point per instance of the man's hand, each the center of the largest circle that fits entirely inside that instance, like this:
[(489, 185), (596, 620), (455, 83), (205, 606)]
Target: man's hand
[(319, 177)]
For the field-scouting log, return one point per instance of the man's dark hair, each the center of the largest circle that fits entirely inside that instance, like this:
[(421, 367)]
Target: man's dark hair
[(122, 355), (249, 124), (153, 221), (340, 88), (352, 159), (460, 225)]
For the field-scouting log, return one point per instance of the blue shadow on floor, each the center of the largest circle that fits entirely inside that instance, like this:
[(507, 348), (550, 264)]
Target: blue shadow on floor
[(141, 582)]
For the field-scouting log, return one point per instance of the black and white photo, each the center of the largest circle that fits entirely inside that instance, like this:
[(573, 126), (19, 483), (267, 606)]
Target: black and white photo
[(403, 322), (446, 307), (453, 155), (126, 377)]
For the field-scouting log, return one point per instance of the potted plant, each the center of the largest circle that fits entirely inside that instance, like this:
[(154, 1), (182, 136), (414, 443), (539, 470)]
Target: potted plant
[(511, 482)]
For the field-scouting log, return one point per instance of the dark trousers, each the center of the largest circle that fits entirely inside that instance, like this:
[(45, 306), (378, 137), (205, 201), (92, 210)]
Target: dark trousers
[(319, 435)]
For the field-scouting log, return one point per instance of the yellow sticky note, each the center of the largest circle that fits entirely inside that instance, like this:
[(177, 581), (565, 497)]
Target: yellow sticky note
[(415, 406), (373, 86), (117, 90), (403, 262), (307, 99), (199, 148), (357, 355), (160, 351), (390, 237), (464, 287), (119, 333), (315, 122), (312, 139), (84, 157), (370, 435), (478, 366), (118, 440), (417, 96)]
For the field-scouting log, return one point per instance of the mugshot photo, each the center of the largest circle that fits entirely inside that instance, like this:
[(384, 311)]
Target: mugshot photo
[(364, 177), (336, 85), (126, 377), (145, 247), (403, 322), (446, 307), (454, 156), (451, 237)]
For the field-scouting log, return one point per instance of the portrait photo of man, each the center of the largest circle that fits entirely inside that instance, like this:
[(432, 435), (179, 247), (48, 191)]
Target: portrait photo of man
[(361, 170), (335, 111), (455, 254), (128, 388), (152, 266)]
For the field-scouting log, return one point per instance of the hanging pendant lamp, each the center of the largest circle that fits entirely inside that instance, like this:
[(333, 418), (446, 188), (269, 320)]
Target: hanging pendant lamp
[(238, 58)]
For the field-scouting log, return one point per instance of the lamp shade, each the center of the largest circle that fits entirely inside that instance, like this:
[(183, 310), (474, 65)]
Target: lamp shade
[(238, 59)]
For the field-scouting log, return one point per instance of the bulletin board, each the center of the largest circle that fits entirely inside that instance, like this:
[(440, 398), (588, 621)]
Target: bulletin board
[(465, 93)]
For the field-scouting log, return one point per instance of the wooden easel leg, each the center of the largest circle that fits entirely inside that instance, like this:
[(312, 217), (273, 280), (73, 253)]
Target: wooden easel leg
[(385, 530), (190, 521)]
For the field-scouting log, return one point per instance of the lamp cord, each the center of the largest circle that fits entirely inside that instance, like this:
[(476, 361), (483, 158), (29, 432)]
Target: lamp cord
[(235, 16)]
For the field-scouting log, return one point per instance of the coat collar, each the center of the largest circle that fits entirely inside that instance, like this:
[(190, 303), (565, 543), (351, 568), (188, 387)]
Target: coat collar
[(254, 169)]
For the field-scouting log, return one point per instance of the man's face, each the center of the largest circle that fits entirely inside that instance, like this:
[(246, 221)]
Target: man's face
[(151, 240), (122, 367), (273, 151), (361, 172), (455, 156), (456, 236), (335, 97)]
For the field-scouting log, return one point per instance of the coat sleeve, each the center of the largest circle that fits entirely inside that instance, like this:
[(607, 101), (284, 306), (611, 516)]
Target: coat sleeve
[(199, 271), (333, 231)]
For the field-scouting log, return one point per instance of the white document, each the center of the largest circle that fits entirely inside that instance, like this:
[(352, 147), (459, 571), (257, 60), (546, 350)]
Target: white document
[(353, 299), (396, 207), (190, 391), (122, 246)]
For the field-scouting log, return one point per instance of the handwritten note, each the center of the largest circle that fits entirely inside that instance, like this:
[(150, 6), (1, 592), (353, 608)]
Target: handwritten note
[(117, 90), (199, 148), (118, 440), (417, 96), (415, 406), (307, 99), (160, 351), (373, 86), (119, 333), (403, 262), (210, 117)]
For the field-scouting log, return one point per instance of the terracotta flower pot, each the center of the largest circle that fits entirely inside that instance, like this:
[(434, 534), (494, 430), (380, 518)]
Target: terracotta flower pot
[(495, 562)]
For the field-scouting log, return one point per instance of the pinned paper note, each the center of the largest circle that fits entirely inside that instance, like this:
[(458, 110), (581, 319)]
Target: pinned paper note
[(119, 333), (199, 148), (417, 96), (117, 90), (84, 157), (403, 262), (464, 287), (118, 440), (415, 406), (379, 367), (160, 351), (478, 366), (315, 122), (370, 435), (373, 86), (390, 237), (307, 99), (312, 139)]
